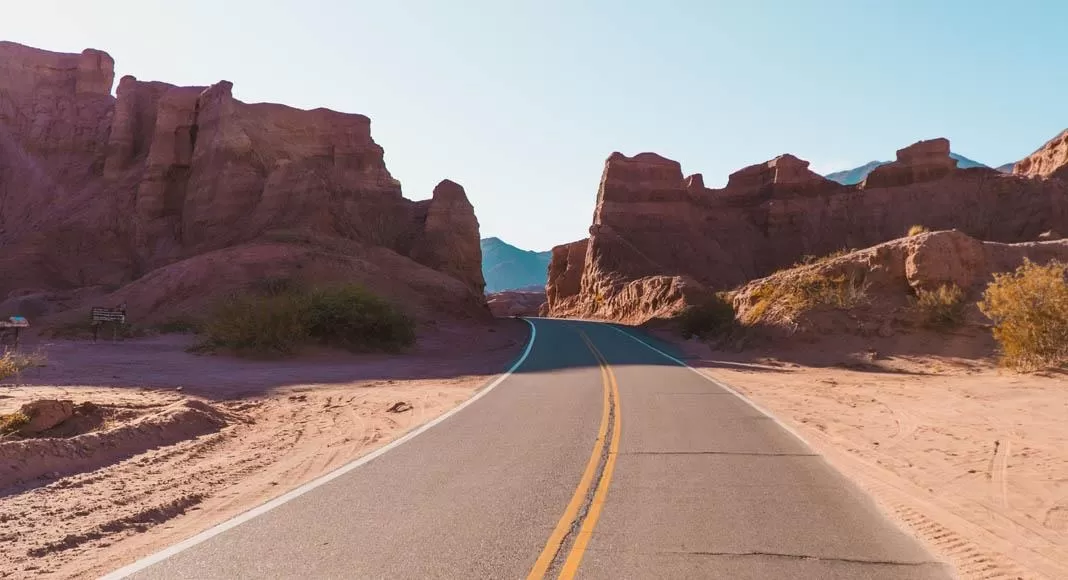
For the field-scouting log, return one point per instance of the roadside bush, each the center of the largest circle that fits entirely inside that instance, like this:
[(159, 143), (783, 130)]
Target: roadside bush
[(712, 318), (258, 324), (80, 329), (784, 298), (353, 318), (11, 422), (941, 308), (176, 326), (917, 230), (277, 319), (13, 363), (1029, 308)]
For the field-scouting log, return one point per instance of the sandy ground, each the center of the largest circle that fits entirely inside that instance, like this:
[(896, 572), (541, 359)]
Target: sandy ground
[(971, 458), (189, 441)]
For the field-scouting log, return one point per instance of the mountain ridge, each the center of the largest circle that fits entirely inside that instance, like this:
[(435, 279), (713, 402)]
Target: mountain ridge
[(507, 267), (858, 174)]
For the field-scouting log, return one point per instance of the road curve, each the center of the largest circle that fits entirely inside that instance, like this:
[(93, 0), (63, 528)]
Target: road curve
[(600, 456)]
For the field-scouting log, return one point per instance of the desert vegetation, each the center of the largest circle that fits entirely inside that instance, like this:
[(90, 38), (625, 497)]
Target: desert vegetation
[(276, 317), (711, 318), (940, 308), (784, 298), (12, 363), (1029, 310), (812, 259), (917, 230), (12, 422)]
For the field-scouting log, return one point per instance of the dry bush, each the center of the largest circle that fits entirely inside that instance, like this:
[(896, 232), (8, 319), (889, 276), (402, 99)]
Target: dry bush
[(12, 422), (1029, 308), (917, 230), (941, 308), (784, 298), (277, 318), (711, 318), (13, 363), (811, 259), (257, 324), (351, 317)]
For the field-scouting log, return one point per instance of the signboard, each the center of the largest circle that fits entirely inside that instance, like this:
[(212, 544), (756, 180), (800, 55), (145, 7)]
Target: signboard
[(108, 315)]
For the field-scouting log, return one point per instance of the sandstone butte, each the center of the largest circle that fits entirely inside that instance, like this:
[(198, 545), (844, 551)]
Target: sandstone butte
[(163, 196), (661, 240)]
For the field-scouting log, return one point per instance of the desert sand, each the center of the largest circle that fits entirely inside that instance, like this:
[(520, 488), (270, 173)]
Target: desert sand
[(971, 458), (186, 441)]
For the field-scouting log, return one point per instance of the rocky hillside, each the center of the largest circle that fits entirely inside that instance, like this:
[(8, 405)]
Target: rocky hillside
[(875, 288), (661, 240), (162, 196), (1050, 160), (506, 267)]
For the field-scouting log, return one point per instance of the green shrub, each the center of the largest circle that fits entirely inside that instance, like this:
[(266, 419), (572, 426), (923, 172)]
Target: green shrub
[(1029, 308), (711, 318), (277, 319), (250, 323), (84, 329), (275, 286), (941, 308), (176, 326), (353, 318)]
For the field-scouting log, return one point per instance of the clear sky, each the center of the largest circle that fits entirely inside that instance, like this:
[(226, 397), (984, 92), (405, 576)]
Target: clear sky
[(522, 101)]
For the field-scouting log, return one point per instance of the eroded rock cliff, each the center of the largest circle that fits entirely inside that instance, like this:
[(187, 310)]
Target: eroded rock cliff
[(659, 239), (99, 191), (1050, 160)]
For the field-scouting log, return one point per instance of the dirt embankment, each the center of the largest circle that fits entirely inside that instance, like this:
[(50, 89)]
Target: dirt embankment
[(173, 443)]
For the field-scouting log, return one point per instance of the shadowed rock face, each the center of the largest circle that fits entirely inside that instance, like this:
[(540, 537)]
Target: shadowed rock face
[(660, 241), (100, 190)]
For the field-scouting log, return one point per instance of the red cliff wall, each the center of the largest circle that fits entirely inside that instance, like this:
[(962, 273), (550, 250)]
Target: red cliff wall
[(654, 229), (97, 190)]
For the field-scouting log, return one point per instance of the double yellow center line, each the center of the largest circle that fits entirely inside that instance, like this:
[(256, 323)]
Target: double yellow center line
[(598, 475)]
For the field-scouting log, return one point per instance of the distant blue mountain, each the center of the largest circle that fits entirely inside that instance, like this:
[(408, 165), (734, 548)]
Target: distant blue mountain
[(965, 163), (857, 174), (506, 267)]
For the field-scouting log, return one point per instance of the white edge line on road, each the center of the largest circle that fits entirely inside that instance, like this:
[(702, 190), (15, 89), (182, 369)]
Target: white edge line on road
[(719, 384), (293, 494), (892, 520)]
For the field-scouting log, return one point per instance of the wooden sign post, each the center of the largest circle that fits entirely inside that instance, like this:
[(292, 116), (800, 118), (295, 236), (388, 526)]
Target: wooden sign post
[(113, 316)]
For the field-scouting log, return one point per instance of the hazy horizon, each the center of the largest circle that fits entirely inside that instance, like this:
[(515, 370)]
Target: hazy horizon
[(522, 103)]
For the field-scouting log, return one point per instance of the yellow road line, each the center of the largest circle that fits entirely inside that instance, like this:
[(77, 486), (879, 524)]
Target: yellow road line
[(541, 566), (571, 565)]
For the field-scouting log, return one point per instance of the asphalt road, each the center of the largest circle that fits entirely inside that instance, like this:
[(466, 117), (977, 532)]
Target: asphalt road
[(599, 457)]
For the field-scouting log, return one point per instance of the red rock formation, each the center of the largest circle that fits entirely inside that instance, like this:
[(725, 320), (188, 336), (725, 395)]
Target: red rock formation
[(919, 162), (1051, 160), (100, 190), (656, 233), (439, 247), (565, 274), (890, 273), (515, 303)]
